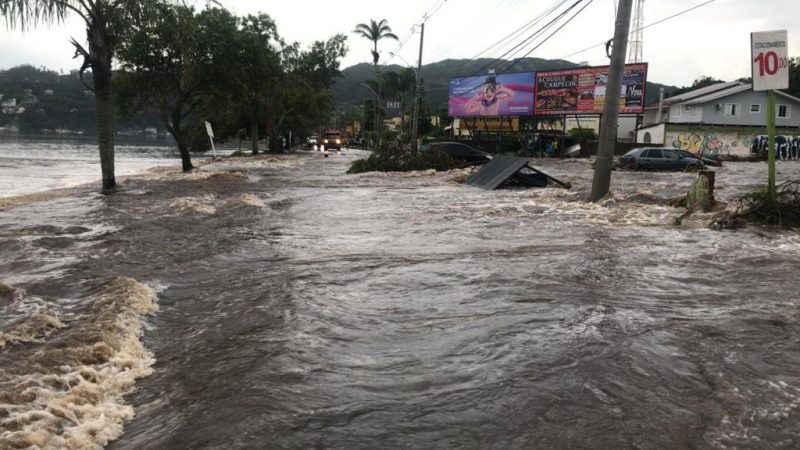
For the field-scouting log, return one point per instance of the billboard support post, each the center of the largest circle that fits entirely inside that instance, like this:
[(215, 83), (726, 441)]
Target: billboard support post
[(608, 128)]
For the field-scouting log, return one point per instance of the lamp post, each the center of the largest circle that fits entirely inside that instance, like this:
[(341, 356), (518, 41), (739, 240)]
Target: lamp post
[(374, 115)]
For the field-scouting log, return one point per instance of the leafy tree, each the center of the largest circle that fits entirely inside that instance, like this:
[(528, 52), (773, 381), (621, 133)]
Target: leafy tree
[(175, 63), (106, 21), (399, 86), (794, 77), (701, 82)]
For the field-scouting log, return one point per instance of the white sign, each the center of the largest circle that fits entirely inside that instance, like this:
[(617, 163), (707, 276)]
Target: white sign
[(209, 130), (770, 60)]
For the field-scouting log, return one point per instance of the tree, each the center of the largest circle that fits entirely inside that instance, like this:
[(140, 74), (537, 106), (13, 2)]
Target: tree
[(106, 21), (701, 82), (259, 70), (794, 77), (175, 63), (374, 32)]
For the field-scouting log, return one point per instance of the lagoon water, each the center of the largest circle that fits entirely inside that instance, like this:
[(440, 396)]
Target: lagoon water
[(276, 302), (38, 163)]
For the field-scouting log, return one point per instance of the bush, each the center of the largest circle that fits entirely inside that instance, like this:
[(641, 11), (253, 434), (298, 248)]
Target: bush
[(785, 211), (393, 159), (583, 134)]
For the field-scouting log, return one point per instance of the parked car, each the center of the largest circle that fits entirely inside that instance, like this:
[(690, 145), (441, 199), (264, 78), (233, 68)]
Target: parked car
[(707, 161), (458, 151), (651, 158)]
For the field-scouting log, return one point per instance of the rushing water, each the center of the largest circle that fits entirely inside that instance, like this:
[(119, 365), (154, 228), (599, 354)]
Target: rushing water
[(287, 305)]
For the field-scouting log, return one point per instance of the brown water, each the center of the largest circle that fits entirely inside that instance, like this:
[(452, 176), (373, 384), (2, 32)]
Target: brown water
[(299, 307)]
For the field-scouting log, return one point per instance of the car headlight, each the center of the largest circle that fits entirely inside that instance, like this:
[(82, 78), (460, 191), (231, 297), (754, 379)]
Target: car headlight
[(324, 141), (338, 141)]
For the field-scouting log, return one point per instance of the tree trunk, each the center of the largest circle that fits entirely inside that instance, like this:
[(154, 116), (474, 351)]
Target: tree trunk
[(176, 131), (101, 75), (402, 115), (254, 128)]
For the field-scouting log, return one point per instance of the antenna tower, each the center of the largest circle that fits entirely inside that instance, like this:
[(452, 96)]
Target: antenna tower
[(635, 53)]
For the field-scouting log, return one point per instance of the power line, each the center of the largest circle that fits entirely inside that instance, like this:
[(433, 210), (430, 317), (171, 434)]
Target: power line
[(524, 27), (513, 51), (644, 27), (507, 68)]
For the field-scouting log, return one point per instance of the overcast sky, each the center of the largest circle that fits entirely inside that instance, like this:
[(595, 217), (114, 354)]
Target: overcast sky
[(713, 40)]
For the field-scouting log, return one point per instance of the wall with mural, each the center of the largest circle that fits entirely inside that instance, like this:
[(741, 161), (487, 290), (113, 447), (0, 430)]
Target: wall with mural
[(786, 147), (723, 142)]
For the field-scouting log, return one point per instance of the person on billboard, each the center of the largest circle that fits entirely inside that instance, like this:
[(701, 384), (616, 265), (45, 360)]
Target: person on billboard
[(487, 101)]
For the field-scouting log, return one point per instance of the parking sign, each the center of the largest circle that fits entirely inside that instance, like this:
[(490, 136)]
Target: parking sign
[(770, 60)]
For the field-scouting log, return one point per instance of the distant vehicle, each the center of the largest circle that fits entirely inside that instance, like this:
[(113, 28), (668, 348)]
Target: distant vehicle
[(312, 141), (651, 158), (458, 151), (333, 139)]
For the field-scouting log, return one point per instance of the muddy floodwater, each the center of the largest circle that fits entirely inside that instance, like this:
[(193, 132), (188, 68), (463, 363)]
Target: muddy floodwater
[(276, 302)]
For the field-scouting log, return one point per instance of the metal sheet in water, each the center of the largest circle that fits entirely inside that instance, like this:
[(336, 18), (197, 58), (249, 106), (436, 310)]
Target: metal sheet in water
[(496, 172)]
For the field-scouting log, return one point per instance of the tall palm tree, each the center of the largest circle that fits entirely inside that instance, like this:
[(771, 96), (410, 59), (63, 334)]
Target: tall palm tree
[(105, 21), (375, 31)]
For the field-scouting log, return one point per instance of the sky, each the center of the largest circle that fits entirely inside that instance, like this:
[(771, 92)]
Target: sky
[(713, 40)]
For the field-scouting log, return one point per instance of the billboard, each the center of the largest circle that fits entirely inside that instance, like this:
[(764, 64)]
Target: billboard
[(506, 94), (583, 90)]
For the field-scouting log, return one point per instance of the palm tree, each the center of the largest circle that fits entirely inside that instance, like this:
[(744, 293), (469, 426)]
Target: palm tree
[(105, 21), (375, 31)]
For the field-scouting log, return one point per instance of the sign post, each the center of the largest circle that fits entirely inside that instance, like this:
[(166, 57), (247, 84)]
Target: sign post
[(770, 66), (210, 132)]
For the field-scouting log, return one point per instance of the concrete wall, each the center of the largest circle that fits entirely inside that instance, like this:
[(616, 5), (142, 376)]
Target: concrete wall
[(653, 135)]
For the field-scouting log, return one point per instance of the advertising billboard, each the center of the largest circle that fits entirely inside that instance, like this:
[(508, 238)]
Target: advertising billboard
[(583, 90), (506, 94)]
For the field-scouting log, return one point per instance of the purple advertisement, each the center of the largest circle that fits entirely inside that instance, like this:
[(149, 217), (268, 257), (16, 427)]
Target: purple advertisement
[(506, 94)]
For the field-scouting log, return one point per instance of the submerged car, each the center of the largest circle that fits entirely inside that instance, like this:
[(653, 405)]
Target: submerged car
[(459, 152), (650, 158)]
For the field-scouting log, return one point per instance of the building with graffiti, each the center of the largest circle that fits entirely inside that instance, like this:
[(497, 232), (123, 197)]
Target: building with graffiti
[(724, 118)]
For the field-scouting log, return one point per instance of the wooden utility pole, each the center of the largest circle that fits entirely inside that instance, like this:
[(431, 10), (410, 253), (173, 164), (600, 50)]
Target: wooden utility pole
[(608, 128), (415, 124)]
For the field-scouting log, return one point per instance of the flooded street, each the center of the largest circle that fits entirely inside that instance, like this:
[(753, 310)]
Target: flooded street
[(275, 302)]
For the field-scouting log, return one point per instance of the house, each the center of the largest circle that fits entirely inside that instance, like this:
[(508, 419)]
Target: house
[(724, 118), (9, 106)]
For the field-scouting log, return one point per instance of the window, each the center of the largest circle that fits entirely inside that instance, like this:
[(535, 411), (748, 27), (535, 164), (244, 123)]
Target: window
[(671, 155), (784, 111), (653, 153), (647, 137), (755, 108), (731, 109)]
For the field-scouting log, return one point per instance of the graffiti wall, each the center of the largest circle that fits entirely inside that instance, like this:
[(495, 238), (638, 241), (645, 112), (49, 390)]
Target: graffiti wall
[(786, 147), (713, 143)]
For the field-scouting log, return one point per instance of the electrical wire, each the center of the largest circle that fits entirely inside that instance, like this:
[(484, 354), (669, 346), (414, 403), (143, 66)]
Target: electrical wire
[(517, 48), (526, 27), (507, 68), (644, 27)]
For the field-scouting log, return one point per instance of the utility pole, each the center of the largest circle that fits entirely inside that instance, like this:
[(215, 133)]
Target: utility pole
[(608, 129), (415, 124)]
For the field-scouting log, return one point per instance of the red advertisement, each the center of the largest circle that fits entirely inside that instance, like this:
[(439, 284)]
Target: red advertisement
[(583, 90)]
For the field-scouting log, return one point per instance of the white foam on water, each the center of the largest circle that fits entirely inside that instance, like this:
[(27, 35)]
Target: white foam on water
[(68, 391)]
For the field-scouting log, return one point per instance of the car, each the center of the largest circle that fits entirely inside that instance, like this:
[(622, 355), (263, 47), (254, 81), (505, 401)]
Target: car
[(707, 161), (312, 141), (656, 158), (458, 151)]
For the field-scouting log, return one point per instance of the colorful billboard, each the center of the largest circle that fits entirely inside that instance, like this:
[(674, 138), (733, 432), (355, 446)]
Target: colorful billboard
[(506, 94), (583, 90)]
